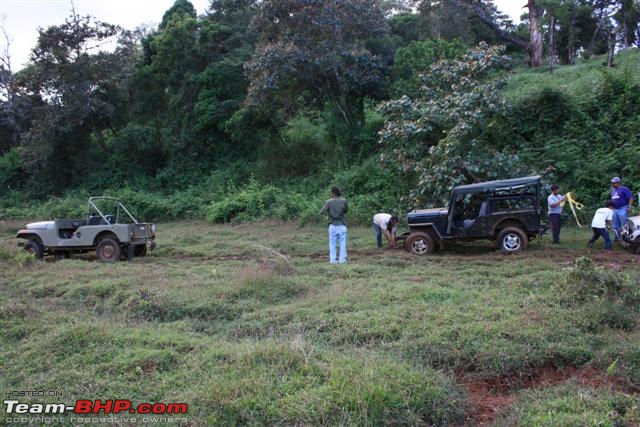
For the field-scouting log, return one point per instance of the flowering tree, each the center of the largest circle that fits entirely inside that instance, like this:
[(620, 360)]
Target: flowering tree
[(436, 134)]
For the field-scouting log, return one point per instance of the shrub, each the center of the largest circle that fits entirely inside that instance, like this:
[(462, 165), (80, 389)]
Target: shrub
[(10, 168), (299, 152), (24, 259), (601, 297)]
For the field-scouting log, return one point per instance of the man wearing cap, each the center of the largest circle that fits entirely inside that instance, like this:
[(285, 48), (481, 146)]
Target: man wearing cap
[(622, 200), (555, 212)]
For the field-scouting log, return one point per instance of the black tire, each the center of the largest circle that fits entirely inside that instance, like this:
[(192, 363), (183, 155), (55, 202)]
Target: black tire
[(512, 239), (108, 250), (34, 247), (140, 250), (419, 244)]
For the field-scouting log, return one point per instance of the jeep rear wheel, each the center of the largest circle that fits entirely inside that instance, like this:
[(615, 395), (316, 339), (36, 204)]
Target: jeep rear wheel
[(419, 244), (34, 247), (512, 239), (108, 250)]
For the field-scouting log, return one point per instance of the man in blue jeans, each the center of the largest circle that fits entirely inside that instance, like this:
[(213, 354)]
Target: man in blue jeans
[(335, 208), (600, 225), (622, 200), (384, 223)]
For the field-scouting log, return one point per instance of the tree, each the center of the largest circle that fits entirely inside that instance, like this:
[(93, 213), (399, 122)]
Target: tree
[(435, 135), (76, 91), (488, 13), (419, 56), (316, 51), (180, 8), (628, 19), (8, 98)]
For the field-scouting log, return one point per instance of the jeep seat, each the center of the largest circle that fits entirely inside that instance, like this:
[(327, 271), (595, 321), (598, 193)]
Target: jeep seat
[(97, 220), (484, 210)]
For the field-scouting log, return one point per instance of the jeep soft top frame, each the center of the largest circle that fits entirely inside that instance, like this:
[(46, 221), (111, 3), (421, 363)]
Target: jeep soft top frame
[(119, 205)]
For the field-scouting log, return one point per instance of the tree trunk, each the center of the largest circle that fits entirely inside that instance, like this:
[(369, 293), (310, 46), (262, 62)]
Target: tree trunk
[(612, 48), (486, 18), (625, 35), (552, 44), (593, 41), (571, 44), (536, 49)]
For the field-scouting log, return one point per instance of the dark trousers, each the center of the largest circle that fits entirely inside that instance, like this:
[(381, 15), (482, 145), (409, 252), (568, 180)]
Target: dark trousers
[(601, 232), (556, 222), (378, 231)]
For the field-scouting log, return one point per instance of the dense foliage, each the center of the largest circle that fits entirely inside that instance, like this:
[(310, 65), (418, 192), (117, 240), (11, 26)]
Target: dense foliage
[(256, 108)]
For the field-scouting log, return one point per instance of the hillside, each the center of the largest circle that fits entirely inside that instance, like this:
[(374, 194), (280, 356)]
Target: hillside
[(573, 80)]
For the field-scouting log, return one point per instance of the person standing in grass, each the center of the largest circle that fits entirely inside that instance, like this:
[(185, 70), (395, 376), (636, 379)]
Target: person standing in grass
[(555, 212), (600, 225), (384, 223), (622, 200), (336, 208)]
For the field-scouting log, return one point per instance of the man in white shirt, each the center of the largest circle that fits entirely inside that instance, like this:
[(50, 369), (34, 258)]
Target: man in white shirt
[(384, 223), (600, 224)]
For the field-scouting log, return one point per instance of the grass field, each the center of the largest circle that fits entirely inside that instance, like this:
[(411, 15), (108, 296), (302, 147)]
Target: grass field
[(217, 318)]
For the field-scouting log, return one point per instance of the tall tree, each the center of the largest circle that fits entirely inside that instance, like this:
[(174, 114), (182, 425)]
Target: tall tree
[(316, 51), (76, 91), (488, 13), (435, 134), (8, 97), (628, 19)]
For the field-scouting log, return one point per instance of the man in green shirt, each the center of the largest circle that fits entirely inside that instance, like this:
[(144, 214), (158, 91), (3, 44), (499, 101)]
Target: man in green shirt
[(335, 208)]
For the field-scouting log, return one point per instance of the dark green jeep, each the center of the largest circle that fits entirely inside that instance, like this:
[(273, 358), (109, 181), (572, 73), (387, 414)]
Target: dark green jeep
[(506, 211)]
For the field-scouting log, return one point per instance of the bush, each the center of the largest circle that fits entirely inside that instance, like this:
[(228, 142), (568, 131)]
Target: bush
[(10, 169), (601, 297), (301, 151)]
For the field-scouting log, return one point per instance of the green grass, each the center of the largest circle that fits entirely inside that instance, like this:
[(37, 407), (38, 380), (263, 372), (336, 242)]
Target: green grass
[(572, 405), (214, 319), (578, 80)]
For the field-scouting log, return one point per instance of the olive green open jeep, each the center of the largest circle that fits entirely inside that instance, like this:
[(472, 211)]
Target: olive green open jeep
[(112, 235), (507, 212)]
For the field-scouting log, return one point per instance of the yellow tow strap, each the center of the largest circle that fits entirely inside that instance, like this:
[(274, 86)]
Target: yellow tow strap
[(574, 205)]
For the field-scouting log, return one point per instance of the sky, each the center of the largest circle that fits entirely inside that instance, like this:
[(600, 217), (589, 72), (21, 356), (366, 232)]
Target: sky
[(21, 18)]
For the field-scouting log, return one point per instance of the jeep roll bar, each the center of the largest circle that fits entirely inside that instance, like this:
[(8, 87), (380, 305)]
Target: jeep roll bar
[(119, 205)]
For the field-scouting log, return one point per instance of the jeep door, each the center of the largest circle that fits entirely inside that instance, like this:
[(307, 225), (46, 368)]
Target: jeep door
[(470, 216)]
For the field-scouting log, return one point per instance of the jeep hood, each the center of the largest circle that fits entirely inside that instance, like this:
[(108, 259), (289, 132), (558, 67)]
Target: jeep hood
[(42, 225), (426, 215)]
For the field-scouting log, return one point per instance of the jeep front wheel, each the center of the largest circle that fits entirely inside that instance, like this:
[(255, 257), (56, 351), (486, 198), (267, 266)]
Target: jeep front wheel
[(419, 244), (512, 239), (108, 250), (34, 247)]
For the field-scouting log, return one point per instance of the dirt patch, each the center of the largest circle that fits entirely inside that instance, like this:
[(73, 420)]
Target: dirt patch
[(489, 396)]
